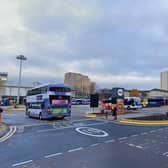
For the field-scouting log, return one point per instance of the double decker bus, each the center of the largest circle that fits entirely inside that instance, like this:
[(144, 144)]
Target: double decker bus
[(49, 101)]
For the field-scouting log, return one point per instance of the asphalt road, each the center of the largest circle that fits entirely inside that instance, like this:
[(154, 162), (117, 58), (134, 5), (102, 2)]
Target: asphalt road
[(85, 143)]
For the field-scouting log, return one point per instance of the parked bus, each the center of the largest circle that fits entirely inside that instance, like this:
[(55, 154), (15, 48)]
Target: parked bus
[(153, 102), (132, 103), (48, 101)]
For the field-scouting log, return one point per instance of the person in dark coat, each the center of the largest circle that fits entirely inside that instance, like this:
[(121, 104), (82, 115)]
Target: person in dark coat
[(115, 113), (1, 110)]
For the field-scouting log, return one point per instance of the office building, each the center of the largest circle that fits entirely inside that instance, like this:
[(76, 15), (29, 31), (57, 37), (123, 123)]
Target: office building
[(80, 83), (164, 80)]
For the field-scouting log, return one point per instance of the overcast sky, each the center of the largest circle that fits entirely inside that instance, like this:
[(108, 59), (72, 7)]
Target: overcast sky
[(114, 42)]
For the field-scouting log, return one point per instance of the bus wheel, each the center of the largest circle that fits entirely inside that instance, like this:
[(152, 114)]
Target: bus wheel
[(40, 116), (61, 118)]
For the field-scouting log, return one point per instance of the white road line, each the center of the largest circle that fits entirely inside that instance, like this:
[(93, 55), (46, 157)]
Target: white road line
[(9, 134), (52, 155), (109, 141), (22, 163), (144, 133), (161, 129), (152, 131), (131, 144), (122, 138), (165, 153), (134, 135), (76, 149), (96, 144), (140, 147)]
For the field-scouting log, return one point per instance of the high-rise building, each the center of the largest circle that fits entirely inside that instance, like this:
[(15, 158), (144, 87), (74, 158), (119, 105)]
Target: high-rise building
[(80, 83), (164, 80)]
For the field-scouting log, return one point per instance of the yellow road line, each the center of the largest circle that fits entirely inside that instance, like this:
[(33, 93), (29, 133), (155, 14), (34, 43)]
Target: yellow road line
[(143, 122), (90, 115)]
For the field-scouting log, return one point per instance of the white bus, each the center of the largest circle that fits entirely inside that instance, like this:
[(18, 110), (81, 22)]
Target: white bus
[(48, 101)]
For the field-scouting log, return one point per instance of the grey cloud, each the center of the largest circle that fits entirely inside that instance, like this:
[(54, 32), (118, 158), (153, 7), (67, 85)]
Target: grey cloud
[(98, 37)]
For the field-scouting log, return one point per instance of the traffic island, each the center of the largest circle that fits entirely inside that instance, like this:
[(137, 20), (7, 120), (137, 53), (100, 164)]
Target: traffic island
[(152, 120)]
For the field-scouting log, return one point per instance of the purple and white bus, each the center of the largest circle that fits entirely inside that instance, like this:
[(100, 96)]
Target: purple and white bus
[(49, 101)]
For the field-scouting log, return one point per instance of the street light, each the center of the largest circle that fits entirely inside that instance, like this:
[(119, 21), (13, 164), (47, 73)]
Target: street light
[(21, 58)]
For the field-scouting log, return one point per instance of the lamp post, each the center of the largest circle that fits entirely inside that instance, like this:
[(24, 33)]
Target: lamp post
[(21, 58)]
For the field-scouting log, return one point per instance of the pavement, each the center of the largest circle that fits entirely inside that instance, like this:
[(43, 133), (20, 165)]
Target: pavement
[(12, 108)]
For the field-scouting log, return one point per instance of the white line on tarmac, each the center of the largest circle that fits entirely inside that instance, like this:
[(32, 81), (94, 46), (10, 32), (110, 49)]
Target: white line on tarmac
[(165, 153), (152, 131), (52, 155), (9, 134), (109, 141), (122, 138), (22, 163), (96, 144), (134, 135), (144, 133), (131, 144), (138, 146), (76, 149)]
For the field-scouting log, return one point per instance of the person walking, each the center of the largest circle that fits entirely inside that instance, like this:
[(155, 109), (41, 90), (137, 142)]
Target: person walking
[(115, 113)]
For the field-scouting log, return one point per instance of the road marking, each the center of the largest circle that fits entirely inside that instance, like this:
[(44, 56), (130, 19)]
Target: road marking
[(138, 146), (91, 132), (22, 163), (165, 153), (96, 144), (152, 131), (76, 149), (52, 155), (161, 129), (122, 138), (9, 134), (20, 129), (134, 135), (131, 144), (109, 141), (144, 133)]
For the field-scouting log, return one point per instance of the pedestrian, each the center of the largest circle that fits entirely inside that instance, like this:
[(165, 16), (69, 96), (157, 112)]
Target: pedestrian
[(115, 113), (1, 110)]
